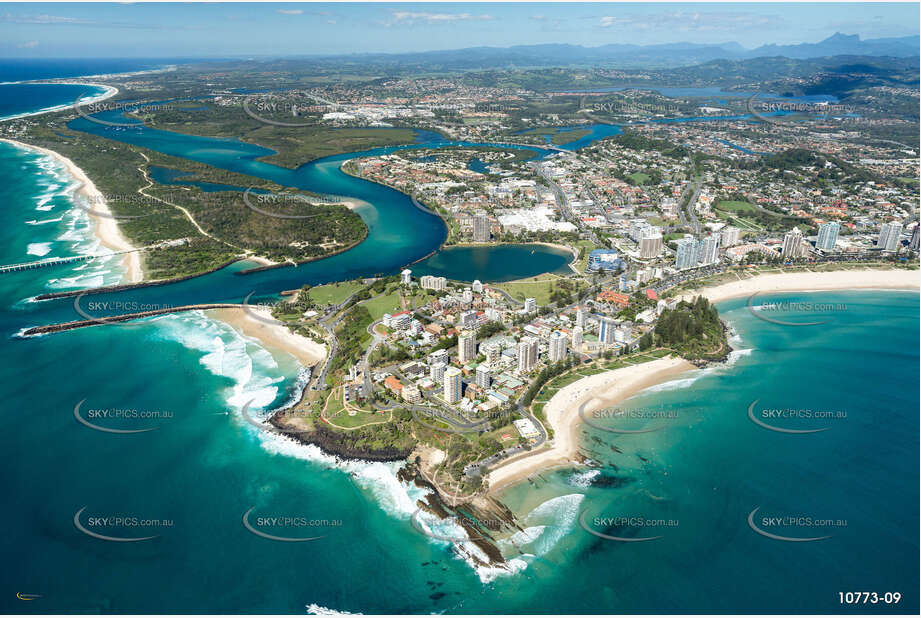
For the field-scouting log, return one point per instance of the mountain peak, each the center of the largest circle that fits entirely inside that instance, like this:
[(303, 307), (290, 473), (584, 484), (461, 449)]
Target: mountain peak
[(842, 38)]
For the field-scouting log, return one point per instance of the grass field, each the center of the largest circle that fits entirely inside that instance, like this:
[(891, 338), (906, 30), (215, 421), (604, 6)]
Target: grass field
[(736, 207), (388, 303), (334, 293), (639, 178), (535, 287)]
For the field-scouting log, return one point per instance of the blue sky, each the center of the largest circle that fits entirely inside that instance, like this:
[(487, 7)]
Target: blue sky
[(244, 29)]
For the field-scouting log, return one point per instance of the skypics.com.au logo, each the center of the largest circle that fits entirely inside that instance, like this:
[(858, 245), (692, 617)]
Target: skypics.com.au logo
[(119, 420), (123, 312), (86, 110), (268, 204), (787, 112)]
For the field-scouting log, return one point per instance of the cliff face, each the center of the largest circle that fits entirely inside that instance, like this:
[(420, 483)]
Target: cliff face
[(482, 518), (338, 443)]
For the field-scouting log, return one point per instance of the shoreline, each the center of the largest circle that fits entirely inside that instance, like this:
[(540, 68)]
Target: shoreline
[(105, 228), (108, 93), (833, 280), (62, 80), (562, 412), (274, 337)]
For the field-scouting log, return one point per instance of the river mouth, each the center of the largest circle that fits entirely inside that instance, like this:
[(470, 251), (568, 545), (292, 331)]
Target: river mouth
[(399, 234)]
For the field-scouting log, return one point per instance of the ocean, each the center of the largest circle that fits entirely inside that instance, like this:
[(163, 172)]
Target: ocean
[(24, 99), (693, 482), (27, 69)]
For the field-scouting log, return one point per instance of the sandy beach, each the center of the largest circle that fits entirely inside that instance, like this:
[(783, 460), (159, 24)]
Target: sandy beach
[(896, 279), (105, 227), (274, 336), (603, 389)]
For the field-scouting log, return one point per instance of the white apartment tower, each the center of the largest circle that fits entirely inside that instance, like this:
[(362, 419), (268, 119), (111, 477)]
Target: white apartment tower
[(428, 282), (468, 319), (437, 372), (577, 333), (686, 253), (828, 236), (729, 236), (650, 244), (793, 244), (527, 354), (453, 385), (482, 376), (606, 331), (889, 236), (493, 353), (466, 347), (557, 346), (709, 250), (480, 228)]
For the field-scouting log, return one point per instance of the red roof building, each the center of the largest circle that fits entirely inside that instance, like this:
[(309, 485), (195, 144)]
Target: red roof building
[(615, 298), (394, 385)]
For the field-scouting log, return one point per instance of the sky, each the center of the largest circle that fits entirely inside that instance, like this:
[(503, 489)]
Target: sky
[(164, 30)]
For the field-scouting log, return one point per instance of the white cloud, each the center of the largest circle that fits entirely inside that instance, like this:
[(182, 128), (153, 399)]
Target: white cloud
[(28, 45), (693, 21), (290, 11), (58, 20), (43, 19), (411, 17)]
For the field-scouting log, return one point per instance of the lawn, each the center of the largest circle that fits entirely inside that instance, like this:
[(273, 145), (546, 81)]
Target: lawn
[(535, 287), (564, 380), (388, 303), (360, 418), (736, 207), (639, 178), (334, 293)]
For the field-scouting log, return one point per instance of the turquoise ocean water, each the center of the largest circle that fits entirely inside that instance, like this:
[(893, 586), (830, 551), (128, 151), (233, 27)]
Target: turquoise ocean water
[(703, 470)]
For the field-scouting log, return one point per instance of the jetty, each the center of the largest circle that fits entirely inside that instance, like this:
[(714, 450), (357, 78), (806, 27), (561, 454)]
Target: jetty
[(56, 261), (11, 268), (124, 317)]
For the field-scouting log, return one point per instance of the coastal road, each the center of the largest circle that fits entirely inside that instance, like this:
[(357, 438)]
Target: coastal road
[(477, 468), (508, 297), (689, 206), (330, 328)]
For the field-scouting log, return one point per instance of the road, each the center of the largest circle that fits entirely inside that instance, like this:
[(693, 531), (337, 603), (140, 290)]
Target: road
[(319, 380), (478, 467), (689, 207), (506, 296), (564, 203)]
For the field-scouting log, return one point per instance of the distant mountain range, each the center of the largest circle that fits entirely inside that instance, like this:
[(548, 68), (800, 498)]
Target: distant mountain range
[(660, 56)]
